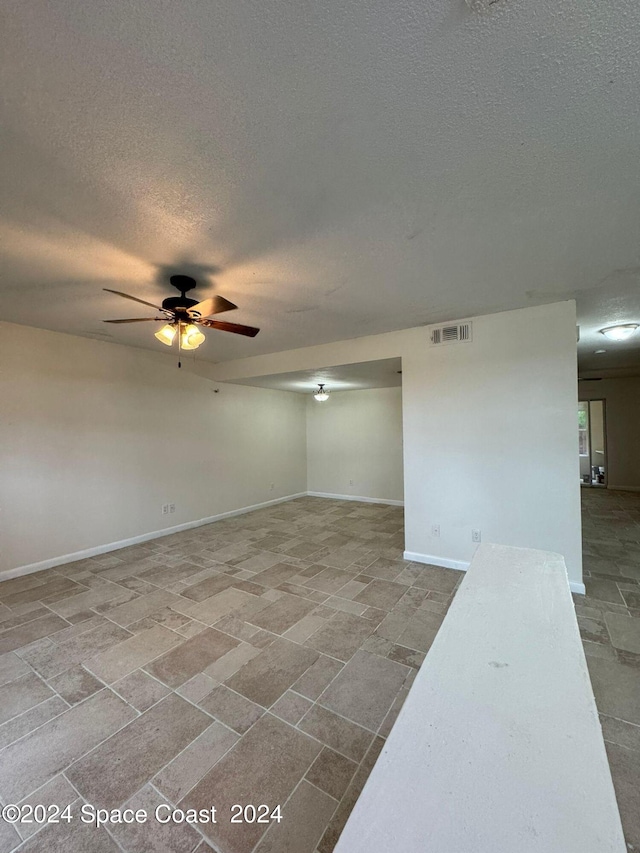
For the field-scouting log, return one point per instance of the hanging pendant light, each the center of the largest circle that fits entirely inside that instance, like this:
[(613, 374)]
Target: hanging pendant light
[(321, 395)]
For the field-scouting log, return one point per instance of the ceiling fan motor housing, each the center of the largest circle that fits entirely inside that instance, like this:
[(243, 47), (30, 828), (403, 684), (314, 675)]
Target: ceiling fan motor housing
[(183, 283), (178, 303)]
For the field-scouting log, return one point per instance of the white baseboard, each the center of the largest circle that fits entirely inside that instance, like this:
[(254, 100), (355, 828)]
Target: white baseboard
[(167, 531), (624, 488), (354, 498), (136, 540), (575, 586), (445, 562)]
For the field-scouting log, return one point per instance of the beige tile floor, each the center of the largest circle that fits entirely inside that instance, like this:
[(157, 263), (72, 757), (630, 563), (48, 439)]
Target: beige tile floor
[(609, 619), (261, 659)]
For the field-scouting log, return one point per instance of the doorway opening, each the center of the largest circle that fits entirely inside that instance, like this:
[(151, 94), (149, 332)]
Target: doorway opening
[(592, 443)]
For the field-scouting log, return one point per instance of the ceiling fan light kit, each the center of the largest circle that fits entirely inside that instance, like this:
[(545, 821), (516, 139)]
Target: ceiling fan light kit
[(183, 315), (189, 335), (321, 395)]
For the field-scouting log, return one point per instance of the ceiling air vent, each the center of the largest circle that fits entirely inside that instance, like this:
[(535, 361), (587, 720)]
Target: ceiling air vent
[(454, 333)]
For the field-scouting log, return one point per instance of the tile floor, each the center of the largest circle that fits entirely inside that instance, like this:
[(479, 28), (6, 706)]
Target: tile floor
[(260, 659), (609, 619)]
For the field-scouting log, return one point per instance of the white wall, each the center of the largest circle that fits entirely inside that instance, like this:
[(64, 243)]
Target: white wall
[(95, 437), (477, 419), (356, 436), (622, 414)]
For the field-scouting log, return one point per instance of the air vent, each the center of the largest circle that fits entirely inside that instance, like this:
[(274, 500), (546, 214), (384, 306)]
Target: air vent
[(451, 334)]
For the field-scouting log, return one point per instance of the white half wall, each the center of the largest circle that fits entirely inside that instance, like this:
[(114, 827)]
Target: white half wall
[(478, 418), (498, 746), (96, 437), (354, 444), (622, 413)]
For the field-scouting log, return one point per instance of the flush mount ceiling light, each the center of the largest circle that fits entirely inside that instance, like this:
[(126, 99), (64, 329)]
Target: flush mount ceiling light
[(321, 394), (619, 333), (180, 315)]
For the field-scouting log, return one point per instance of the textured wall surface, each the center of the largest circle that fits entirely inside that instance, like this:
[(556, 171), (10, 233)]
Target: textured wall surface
[(622, 419), (477, 418), (94, 439), (354, 445)]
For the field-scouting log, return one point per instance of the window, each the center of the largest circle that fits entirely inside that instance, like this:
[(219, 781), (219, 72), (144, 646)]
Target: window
[(583, 430)]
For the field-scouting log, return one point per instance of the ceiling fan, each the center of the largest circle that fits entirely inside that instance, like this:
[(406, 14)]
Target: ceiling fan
[(182, 315)]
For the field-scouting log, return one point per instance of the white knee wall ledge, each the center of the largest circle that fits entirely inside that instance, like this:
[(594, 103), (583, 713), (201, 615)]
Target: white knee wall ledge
[(434, 560), (498, 746)]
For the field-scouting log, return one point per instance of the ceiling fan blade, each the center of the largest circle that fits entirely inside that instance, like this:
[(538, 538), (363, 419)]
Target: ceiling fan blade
[(214, 305), (139, 320), (249, 331), (134, 298)]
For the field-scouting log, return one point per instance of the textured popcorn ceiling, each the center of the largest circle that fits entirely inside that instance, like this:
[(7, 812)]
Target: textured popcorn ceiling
[(336, 169)]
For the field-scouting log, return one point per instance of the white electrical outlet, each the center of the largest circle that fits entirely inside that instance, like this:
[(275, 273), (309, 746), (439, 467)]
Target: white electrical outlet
[(435, 530), (172, 507), (165, 509), (476, 535)]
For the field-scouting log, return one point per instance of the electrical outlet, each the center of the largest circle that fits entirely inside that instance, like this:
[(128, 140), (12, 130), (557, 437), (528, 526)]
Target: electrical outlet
[(172, 507), (165, 509), (272, 486), (475, 535), (351, 482), (435, 530)]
